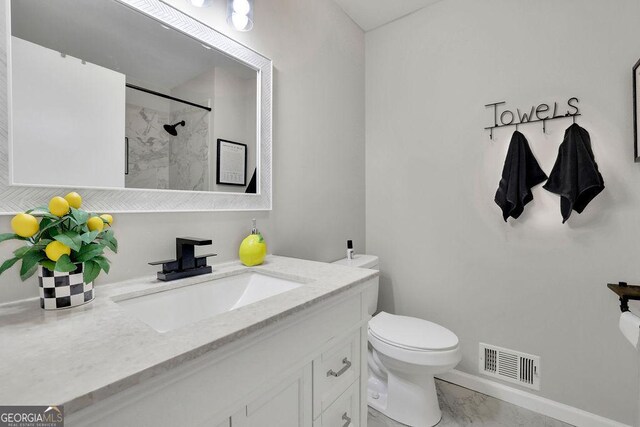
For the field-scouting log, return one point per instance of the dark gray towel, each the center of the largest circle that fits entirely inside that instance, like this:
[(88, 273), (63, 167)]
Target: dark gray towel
[(521, 172), (575, 176)]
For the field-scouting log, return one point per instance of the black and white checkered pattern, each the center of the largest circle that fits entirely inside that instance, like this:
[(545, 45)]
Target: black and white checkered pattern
[(63, 290)]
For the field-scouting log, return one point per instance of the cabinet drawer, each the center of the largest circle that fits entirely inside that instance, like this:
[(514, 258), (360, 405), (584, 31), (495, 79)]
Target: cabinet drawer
[(344, 412), (334, 371)]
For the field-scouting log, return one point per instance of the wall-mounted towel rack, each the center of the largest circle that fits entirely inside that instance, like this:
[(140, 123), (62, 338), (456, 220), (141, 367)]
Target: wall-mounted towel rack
[(508, 118), (625, 293)]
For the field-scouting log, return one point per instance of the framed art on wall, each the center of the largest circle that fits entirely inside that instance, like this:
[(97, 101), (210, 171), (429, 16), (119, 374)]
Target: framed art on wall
[(231, 163), (636, 119)]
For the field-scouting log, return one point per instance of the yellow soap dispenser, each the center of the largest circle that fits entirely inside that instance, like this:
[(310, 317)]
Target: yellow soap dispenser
[(253, 248)]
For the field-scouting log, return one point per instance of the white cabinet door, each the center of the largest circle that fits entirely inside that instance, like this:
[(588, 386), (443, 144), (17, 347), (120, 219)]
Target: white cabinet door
[(334, 371), (286, 405), (344, 412)]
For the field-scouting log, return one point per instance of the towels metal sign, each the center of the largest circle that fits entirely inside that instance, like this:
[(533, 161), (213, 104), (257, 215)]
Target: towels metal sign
[(503, 117)]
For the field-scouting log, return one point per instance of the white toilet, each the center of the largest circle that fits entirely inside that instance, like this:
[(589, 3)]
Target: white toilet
[(404, 355)]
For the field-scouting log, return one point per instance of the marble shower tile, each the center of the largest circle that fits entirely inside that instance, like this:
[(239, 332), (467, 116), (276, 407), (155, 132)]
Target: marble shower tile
[(189, 150), (148, 148)]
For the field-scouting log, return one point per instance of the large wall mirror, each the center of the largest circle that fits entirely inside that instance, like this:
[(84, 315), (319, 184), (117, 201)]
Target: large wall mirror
[(136, 103)]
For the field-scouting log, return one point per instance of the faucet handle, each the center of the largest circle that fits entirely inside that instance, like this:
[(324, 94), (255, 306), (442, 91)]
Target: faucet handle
[(193, 241), (166, 261)]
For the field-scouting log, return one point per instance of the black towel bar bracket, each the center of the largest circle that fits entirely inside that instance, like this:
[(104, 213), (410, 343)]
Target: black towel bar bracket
[(542, 113), (625, 292)]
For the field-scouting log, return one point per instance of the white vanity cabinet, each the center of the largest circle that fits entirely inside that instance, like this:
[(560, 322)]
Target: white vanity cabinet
[(286, 405), (307, 369)]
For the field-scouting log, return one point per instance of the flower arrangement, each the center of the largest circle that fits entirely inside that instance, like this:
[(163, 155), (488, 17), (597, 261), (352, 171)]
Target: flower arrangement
[(64, 238)]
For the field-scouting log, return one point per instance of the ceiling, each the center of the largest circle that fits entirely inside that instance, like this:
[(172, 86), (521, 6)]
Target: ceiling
[(108, 34), (370, 14)]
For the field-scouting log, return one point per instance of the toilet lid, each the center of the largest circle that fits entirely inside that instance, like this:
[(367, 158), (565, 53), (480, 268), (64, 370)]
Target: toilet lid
[(411, 333)]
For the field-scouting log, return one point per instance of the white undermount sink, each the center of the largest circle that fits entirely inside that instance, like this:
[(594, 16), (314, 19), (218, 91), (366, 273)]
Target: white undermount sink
[(171, 309)]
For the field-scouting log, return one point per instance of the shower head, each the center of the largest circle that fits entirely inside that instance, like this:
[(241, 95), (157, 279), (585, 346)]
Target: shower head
[(171, 129)]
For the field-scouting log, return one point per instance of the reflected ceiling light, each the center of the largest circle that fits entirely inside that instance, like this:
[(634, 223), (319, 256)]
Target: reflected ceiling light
[(200, 3), (240, 14)]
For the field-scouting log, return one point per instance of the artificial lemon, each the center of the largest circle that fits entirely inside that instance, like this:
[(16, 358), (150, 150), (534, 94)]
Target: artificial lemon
[(95, 223), (55, 250), (107, 218), (58, 206), (253, 249), (25, 225), (74, 200)]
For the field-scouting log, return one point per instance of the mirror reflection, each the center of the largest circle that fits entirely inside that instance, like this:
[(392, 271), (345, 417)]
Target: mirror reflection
[(103, 96)]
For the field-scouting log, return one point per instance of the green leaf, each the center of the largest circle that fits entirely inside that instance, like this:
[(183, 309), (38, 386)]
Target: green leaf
[(50, 225), (20, 252), (88, 252), (111, 244), (44, 222), (30, 272), (36, 247), (8, 264), (91, 270), (65, 265), (10, 236), (47, 263), (103, 263), (44, 215), (109, 240), (30, 264), (70, 238), (41, 244), (89, 236), (39, 209), (79, 216)]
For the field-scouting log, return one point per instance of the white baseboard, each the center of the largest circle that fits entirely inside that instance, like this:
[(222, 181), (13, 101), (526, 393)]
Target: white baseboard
[(541, 405)]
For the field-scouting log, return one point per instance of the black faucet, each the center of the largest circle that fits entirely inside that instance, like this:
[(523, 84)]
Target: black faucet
[(186, 264)]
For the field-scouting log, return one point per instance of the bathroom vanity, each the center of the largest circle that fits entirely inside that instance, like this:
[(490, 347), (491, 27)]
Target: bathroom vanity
[(282, 344)]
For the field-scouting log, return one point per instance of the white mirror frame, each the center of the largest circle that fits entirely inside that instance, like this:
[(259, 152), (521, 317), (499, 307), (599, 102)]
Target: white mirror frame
[(18, 198)]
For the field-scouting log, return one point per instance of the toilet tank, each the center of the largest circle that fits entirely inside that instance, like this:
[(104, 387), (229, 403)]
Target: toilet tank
[(370, 262)]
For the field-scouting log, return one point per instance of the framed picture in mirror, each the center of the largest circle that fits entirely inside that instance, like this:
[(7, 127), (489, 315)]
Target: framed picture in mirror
[(231, 163)]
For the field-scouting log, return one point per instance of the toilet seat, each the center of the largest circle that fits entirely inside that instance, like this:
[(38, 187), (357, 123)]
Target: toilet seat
[(412, 333), (413, 340)]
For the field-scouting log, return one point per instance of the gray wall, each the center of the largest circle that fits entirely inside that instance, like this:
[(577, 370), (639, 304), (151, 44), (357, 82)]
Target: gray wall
[(318, 146), (532, 285)]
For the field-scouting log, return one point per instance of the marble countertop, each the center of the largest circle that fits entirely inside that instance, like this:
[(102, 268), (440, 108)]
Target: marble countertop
[(79, 356)]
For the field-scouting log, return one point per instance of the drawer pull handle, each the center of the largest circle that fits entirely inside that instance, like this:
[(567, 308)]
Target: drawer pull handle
[(345, 368), (347, 420)]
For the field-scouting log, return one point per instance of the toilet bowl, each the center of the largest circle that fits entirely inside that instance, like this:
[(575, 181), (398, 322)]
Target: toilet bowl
[(404, 355)]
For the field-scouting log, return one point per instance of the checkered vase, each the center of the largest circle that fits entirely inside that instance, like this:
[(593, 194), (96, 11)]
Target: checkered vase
[(63, 290)]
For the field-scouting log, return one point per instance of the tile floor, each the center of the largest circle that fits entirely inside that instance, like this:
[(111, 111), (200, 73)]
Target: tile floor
[(463, 407)]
